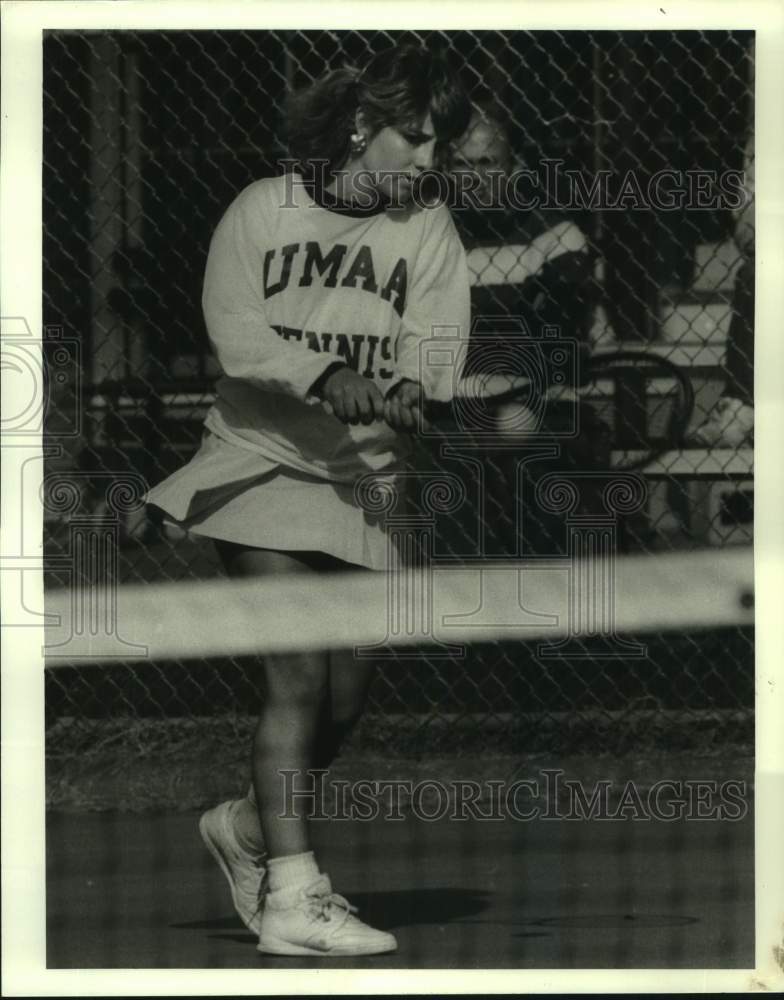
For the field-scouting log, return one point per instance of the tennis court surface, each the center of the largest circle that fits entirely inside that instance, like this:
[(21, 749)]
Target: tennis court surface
[(138, 890)]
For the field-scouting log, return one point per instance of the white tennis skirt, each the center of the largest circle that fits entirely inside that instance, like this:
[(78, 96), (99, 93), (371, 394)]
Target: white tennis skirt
[(240, 496)]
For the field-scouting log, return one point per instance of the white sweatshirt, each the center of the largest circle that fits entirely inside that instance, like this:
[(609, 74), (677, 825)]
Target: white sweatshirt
[(292, 287)]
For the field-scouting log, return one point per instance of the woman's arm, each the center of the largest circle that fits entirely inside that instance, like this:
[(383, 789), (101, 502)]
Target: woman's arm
[(245, 344), (436, 321)]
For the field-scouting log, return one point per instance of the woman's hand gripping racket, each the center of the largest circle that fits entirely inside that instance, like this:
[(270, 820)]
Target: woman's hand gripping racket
[(350, 397), (404, 407)]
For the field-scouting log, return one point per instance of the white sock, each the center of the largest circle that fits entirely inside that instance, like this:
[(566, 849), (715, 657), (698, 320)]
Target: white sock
[(292, 870)]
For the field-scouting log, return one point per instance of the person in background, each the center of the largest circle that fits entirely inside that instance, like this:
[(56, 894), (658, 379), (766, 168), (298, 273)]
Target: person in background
[(731, 424), (530, 262), (531, 273)]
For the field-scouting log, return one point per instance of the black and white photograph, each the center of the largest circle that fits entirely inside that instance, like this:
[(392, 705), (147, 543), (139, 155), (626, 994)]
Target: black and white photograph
[(478, 299)]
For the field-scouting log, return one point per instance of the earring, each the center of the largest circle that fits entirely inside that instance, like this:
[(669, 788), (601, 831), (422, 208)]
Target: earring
[(358, 144)]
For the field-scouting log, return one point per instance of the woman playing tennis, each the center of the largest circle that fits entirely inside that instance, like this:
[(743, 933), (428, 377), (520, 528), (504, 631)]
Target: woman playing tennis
[(320, 287)]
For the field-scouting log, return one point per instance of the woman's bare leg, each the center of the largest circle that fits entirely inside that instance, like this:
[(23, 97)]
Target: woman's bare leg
[(313, 700), (350, 678)]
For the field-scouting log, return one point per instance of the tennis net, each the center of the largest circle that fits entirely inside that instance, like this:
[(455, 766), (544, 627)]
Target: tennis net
[(580, 655)]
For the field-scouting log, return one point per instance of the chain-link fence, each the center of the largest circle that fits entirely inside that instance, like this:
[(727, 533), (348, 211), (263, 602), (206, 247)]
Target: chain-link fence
[(148, 136)]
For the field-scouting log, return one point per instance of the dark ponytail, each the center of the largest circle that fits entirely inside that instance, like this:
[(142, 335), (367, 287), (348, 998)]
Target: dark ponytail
[(398, 87)]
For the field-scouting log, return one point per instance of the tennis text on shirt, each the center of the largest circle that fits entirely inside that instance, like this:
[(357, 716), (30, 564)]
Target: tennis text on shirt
[(361, 352)]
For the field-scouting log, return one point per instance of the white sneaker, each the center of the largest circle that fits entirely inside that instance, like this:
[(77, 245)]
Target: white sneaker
[(245, 873), (730, 425), (313, 920)]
